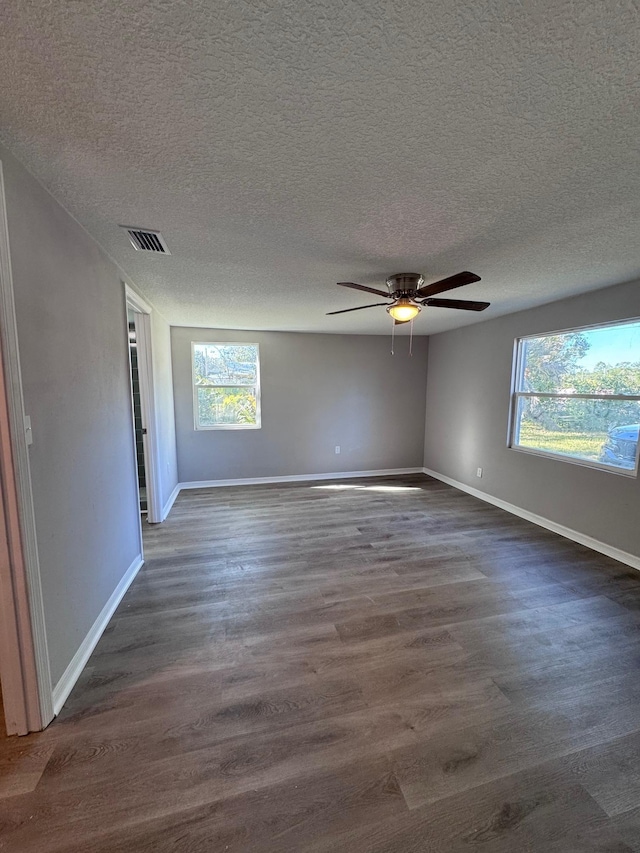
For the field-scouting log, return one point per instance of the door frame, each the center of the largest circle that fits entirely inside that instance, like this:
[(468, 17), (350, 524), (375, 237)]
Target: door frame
[(17, 658), (24, 655), (152, 460)]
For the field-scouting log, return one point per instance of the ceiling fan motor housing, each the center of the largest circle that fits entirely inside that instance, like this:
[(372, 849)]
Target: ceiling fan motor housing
[(404, 283)]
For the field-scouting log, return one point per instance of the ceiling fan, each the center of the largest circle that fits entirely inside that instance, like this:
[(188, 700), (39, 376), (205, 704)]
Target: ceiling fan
[(408, 294)]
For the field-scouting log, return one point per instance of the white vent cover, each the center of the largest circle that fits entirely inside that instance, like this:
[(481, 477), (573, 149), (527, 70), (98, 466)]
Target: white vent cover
[(144, 240)]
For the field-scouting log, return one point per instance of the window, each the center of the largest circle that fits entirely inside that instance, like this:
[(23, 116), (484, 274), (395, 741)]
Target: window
[(226, 386), (576, 396)]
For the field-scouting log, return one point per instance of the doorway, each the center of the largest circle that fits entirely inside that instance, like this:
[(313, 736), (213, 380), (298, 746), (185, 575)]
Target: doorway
[(143, 406), (137, 410)]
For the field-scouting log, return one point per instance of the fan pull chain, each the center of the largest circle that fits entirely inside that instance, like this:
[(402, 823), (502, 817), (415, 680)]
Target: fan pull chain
[(411, 338), (393, 332)]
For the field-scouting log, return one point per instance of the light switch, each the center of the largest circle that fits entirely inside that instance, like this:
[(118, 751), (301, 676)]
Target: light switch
[(27, 430)]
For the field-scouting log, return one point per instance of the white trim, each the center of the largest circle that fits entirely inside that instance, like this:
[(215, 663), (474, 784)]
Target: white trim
[(137, 302), (78, 662), (166, 509), (20, 452), (575, 535), (297, 478)]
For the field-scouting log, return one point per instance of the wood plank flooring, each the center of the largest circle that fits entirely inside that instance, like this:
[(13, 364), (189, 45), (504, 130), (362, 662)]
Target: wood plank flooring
[(373, 666)]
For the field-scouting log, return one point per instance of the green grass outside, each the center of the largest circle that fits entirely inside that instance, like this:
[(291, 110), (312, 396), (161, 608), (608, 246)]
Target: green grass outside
[(584, 444)]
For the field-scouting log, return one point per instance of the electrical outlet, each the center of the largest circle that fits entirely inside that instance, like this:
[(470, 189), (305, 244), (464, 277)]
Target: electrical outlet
[(479, 472), (337, 449)]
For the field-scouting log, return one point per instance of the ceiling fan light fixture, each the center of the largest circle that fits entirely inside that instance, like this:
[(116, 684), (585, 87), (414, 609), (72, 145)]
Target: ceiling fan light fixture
[(404, 309), (409, 294)]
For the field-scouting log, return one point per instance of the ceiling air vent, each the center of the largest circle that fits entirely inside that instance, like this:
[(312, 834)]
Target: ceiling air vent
[(144, 240)]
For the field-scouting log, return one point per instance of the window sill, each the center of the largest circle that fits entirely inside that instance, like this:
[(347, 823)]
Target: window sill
[(572, 460), (227, 427)]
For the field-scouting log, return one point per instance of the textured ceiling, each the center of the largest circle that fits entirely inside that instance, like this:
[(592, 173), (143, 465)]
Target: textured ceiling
[(283, 146)]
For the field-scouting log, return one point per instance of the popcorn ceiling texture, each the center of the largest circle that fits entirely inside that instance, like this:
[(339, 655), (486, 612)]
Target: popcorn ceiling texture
[(283, 146)]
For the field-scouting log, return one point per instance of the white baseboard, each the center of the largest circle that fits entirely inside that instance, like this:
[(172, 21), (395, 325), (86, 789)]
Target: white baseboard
[(71, 674), (166, 509), (581, 538), (297, 478)]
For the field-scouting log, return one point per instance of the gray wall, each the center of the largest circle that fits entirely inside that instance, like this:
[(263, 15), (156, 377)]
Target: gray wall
[(468, 391), (72, 333), (163, 388), (318, 391)]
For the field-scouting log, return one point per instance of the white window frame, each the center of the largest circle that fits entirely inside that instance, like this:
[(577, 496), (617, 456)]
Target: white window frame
[(516, 395), (196, 424)]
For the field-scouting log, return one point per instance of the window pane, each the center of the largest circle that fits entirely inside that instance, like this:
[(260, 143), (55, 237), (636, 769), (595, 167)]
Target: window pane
[(225, 364), (590, 361), (604, 431), (226, 406)]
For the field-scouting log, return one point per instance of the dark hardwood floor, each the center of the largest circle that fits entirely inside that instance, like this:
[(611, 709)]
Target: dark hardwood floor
[(363, 666)]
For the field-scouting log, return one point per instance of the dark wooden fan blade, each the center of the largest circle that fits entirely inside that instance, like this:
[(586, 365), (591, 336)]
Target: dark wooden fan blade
[(359, 308), (458, 280), (464, 304), (363, 287), (400, 322)]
